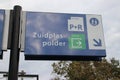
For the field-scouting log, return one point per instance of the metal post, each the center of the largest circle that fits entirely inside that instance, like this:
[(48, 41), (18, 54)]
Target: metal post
[(37, 77), (14, 54)]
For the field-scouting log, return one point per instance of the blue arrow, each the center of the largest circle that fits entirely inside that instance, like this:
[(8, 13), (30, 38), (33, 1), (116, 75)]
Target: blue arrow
[(97, 42)]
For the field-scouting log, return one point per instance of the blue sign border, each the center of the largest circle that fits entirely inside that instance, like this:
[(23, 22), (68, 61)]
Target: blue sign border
[(50, 53)]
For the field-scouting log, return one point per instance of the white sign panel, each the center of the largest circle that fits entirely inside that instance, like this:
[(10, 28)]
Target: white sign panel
[(95, 32)]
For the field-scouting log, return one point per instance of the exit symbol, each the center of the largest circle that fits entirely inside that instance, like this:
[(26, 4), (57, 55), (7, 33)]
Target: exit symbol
[(77, 41)]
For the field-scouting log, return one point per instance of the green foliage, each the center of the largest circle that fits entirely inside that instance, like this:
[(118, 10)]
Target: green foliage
[(88, 70)]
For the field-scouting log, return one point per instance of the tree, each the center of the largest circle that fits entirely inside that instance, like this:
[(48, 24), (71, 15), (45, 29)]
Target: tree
[(88, 70)]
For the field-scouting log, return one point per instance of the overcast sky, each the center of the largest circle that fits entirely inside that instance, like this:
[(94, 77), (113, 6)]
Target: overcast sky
[(109, 9)]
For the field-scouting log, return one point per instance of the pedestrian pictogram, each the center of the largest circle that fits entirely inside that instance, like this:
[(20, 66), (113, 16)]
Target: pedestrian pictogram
[(94, 21)]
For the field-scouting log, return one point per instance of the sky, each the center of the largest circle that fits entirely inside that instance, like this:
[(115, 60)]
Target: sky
[(109, 9)]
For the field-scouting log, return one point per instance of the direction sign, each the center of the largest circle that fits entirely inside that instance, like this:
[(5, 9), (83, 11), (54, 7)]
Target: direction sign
[(2, 15), (60, 34)]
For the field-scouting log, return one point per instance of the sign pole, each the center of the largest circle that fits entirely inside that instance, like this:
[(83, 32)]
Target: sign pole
[(14, 53)]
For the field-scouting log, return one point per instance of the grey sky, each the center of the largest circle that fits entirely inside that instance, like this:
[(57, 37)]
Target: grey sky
[(109, 9)]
